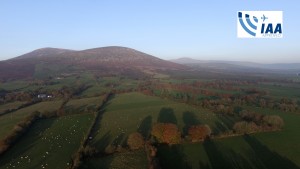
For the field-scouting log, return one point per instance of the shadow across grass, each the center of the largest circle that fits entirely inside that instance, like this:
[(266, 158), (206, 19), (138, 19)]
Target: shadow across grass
[(171, 157), (145, 127), (189, 119), (103, 142), (97, 123), (216, 157), (223, 124), (166, 115), (269, 159), (221, 158), (28, 141), (118, 140), (219, 128), (259, 157)]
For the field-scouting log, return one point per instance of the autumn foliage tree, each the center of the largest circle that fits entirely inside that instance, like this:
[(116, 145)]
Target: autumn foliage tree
[(135, 141), (199, 132), (251, 116), (166, 133), (273, 121), (244, 127)]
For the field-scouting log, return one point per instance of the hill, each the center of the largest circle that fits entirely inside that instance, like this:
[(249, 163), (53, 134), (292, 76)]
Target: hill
[(278, 66), (239, 66), (104, 60), (43, 52)]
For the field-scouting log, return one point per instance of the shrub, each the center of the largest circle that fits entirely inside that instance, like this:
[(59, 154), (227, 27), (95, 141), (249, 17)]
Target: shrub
[(135, 141), (250, 116), (244, 127), (110, 149), (89, 151), (273, 121), (199, 132), (166, 133), (3, 146)]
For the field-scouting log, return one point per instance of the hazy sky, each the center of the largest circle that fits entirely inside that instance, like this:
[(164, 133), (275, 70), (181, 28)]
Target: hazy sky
[(165, 28)]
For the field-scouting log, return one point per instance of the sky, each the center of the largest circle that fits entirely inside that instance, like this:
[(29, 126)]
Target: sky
[(168, 29)]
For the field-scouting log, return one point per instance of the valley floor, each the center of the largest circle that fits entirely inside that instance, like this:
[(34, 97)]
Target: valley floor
[(90, 129)]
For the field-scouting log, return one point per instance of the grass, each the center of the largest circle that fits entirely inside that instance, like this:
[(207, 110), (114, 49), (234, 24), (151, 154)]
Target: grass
[(50, 143), (94, 90), (14, 85), (8, 121), (84, 104), (127, 160), (10, 106), (274, 150), (130, 112), (278, 91), (278, 140)]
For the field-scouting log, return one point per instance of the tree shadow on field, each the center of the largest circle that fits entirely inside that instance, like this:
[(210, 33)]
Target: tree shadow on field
[(99, 115), (74, 110), (260, 157), (203, 165), (225, 158), (106, 160), (172, 157), (268, 158), (227, 120), (166, 115), (189, 119), (216, 157), (223, 124), (102, 143), (219, 128), (27, 141), (118, 140), (145, 127)]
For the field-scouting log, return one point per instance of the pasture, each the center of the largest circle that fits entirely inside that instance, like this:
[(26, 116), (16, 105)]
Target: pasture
[(271, 150), (8, 121), (50, 143), (130, 112), (83, 105), (128, 160), (10, 106)]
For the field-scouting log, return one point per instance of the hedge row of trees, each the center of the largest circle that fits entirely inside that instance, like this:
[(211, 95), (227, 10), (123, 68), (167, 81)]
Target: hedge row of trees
[(18, 130), (85, 150), (222, 102), (202, 94), (29, 96), (20, 107), (169, 133), (162, 133), (254, 122), (16, 96)]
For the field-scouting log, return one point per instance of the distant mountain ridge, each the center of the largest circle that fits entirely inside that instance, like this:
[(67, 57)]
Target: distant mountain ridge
[(278, 66)]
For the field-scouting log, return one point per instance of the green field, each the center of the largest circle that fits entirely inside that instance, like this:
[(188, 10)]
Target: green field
[(278, 91), (130, 112), (83, 105), (10, 106), (127, 160), (94, 90), (8, 121), (127, 112), (50, 143), (273, 150), (14, 85)]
